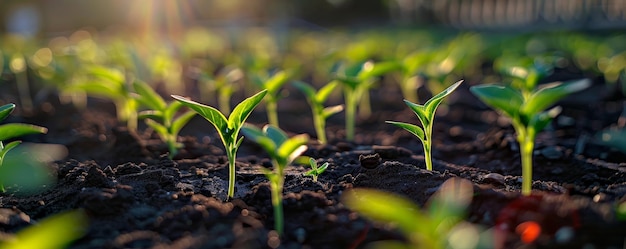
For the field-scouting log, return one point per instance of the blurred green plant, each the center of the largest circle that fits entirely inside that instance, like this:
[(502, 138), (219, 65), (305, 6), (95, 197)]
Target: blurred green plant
[(357, 80), (54, 232), (526, 110), (439, 226), (13, 130), (283, 151), (426, 115), (114, 85), (273, 83), (161, 116), (227, 128), (316, 100)]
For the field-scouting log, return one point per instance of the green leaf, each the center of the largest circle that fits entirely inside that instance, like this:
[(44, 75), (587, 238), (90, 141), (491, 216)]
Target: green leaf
[(57, 231), (149, 97), (181, 121), (503, 98), (110, 74), (547, 96), (421, 113), (243, 110), (171, 110), (158, 128), (306, 89), (432, 104), (151, 114), (387, 208), (277, 135), (325, 91), (7, 148), (13, 130), (331, 110), (371, 69), (111, 91), (293, 147), (255, 134), (5, 110), (541, 120), (322, 168), (277, 80), (211, 114), (413, 129)]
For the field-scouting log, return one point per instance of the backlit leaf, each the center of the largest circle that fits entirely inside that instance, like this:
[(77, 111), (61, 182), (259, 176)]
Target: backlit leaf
[(413, 129), (5, 110), (211, 114), (503, 98), (13, 130), (547, 96)]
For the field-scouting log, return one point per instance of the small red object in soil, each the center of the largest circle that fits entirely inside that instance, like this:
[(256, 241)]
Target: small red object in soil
[(528, 231)]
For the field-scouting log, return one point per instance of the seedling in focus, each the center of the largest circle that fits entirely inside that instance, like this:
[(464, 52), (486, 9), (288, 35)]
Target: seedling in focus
[(228, 129), (426, 115)]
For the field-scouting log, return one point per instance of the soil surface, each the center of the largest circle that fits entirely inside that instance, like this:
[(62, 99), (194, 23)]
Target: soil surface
[(136, 197)]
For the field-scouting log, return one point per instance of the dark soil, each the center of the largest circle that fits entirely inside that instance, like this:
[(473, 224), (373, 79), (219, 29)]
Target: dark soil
[(136, 197)]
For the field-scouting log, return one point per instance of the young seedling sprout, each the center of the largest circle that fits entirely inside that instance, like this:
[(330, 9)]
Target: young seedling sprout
[(315, 170), (426, 115), (228, 129), (283, 150), (273, 85), (357, 80), (13, 130), (527, 114), (161, 116), (316, 100)]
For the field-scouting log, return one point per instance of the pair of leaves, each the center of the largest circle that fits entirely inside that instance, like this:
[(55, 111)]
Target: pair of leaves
[(425, 113), (109, 83), (317, 98), (512, 103), (274, 82), (315, 170), (227, 128), (277, 144)]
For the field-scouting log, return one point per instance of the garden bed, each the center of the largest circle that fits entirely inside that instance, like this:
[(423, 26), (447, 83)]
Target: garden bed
[(135, 197)]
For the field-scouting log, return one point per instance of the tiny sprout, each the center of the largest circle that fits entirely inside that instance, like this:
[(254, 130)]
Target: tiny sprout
[(426, 115), (315, 170), (316, 99)]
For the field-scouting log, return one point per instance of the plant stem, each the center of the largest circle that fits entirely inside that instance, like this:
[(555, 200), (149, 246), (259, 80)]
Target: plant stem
[(232, 154), (277, 201), (272, 113), (526, 150), (319, 123), (428, 155), (351, 102)]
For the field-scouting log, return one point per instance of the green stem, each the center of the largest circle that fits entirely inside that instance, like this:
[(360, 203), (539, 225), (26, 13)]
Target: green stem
[(232, 154), (272, 113), (277, 202), (428, 155), (319, 123), (350, 114), (365, 107), (526, 150)]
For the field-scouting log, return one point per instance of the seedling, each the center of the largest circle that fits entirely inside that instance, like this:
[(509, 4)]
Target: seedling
[(161, 116), (438, 226), (272, 84), (426, 114), (357, 80), (316, 100), (13, 130), (410, 67), (315, 170), (112, 84), (527, 114), (228, 129), (283, 150)]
